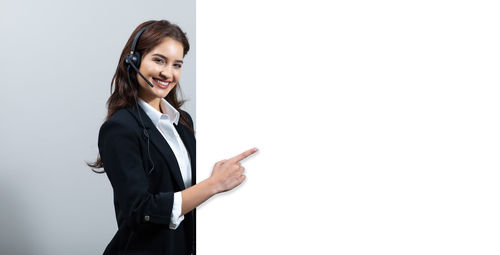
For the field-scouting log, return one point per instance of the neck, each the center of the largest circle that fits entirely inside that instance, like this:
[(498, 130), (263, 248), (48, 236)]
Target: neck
[(154, 101)]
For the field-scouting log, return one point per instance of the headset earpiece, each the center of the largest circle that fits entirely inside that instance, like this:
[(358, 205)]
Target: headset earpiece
[(133, 59)]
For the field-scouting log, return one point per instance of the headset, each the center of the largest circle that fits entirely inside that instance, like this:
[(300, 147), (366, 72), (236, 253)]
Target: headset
[(133, 59)]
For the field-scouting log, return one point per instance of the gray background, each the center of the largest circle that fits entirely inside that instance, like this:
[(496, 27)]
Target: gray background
[(58, 58)]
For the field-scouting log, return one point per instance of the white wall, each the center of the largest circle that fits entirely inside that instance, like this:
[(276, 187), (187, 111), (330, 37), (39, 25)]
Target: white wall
[(377, 123)]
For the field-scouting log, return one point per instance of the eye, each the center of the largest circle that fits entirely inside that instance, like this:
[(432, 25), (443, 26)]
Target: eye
[(158, 60), (178, 65)]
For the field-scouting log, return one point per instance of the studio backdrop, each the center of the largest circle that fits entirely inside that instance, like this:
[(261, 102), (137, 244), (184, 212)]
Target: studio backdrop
[(58, 61)]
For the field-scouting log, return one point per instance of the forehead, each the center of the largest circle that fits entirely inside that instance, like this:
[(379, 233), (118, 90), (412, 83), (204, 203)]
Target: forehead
[(170, 48)]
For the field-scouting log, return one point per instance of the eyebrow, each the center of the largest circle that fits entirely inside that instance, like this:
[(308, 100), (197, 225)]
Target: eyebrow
[(165, 58)]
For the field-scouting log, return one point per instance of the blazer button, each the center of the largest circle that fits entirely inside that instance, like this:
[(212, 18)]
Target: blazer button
[(146, 218)]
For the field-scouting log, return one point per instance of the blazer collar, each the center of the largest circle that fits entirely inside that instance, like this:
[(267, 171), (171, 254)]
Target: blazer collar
[(159, 142)]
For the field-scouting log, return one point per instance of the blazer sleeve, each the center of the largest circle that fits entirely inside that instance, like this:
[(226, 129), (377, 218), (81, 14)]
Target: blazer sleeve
[(119, 148)]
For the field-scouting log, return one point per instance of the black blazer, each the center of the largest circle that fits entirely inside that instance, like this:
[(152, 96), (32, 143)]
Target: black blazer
[(143, 200)]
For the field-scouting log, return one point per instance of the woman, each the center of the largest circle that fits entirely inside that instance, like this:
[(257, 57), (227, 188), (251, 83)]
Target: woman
[(148, 149)]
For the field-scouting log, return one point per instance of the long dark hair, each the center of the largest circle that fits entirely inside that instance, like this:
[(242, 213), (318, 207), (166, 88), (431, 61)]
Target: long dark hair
[(123, 94)]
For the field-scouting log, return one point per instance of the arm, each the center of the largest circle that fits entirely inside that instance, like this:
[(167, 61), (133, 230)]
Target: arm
[(119, 147), (226, 175)]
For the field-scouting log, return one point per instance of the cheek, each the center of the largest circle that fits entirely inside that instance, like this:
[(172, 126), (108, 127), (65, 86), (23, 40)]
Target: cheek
[(153, 69), (177, 74)]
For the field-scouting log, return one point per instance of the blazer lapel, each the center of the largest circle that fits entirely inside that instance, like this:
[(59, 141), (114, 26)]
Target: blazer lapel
[(157, 139)]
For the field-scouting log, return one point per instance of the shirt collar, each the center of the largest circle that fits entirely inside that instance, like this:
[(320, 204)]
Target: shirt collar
[(155, 115)]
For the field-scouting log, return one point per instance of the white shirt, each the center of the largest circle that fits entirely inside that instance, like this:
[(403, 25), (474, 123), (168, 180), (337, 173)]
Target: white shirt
[(164, 122)]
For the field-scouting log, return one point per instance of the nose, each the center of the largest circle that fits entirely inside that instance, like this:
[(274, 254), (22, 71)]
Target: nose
[(166, 73)]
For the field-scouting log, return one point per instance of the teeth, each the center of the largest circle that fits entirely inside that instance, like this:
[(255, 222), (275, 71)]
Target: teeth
[(162, 82)]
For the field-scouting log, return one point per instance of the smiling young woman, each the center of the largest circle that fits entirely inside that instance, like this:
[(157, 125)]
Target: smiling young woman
[(147, 148)]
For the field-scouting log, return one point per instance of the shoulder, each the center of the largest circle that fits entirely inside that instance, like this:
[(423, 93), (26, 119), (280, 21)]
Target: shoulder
[(124, 116), (122, 122)]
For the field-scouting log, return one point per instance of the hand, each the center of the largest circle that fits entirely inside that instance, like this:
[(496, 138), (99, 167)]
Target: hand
[(227, 174)]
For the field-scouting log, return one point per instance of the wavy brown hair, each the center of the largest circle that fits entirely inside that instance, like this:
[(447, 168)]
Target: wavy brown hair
[(123, 92)]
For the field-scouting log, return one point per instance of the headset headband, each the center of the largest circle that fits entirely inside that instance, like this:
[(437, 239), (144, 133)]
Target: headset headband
[(136, 38)]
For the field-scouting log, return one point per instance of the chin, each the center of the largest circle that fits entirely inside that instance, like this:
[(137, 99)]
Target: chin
[(162, 93)]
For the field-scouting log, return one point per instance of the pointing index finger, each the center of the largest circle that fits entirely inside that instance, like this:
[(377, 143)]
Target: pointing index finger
[(243, 155)]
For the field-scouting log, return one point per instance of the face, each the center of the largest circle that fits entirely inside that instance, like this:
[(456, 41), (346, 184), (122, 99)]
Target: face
[(162, 67)]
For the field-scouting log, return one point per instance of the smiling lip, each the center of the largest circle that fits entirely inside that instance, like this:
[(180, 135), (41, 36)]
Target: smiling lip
[(160, 83)]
